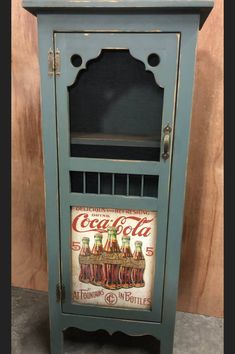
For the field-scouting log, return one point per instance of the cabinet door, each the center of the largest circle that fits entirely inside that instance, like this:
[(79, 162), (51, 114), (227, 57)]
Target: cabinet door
[(115, 99)]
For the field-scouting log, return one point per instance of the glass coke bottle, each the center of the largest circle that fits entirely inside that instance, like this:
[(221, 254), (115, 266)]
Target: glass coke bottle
[(111, 261), (126, 266), (97, 263), (138, 266), (84, 260)]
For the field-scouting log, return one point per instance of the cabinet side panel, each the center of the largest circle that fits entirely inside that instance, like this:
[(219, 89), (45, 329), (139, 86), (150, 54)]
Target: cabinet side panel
[(179, 169), (49, 134)]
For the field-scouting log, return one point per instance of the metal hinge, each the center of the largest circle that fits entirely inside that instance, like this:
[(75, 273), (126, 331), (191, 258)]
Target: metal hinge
[(60, 292), (54, 62)]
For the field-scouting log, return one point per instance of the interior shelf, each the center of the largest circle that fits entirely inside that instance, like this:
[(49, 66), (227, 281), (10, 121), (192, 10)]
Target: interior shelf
[(115, 140)]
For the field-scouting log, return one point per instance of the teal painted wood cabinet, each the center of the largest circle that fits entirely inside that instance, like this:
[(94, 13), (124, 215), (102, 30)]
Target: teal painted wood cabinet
[(116, 88)]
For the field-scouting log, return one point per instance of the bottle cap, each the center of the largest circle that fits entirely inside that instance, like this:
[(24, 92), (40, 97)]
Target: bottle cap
[(85, 240), (126, 238), (98, 235), (112, 230)]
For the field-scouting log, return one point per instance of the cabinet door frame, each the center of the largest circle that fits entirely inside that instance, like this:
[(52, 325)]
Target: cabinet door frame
[(187, 26), (140, 45)]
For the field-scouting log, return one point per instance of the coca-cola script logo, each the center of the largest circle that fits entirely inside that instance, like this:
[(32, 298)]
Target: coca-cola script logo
[(139, 225)]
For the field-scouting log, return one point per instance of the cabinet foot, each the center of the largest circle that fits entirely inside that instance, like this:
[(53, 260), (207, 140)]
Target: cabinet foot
[(57, 341), (166, 346)]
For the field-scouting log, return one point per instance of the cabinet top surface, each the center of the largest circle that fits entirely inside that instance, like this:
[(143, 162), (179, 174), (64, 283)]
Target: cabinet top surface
[(191, 4), (202, 7)]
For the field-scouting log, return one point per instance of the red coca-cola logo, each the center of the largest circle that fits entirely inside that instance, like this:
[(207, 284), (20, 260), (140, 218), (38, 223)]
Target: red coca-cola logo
[(85, 223)]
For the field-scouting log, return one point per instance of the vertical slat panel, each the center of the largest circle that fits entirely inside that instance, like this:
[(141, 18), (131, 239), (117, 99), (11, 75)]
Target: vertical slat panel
[(127, 184), (142, 186), (98, 183), (113, 183), (84, 182)]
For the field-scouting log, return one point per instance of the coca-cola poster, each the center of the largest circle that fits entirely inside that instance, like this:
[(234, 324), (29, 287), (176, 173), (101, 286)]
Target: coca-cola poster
[(113, 256)]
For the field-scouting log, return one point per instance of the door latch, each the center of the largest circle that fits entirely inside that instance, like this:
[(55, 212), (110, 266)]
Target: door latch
[(166, 142)]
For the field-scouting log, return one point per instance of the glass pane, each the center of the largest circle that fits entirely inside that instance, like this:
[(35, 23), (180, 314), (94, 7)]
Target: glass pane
[(115, 109), (113, 257)]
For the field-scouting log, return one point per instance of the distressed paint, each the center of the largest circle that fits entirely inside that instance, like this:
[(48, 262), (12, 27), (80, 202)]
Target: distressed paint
[(166, 72), (162, 328), (201, 284), (203, 7)]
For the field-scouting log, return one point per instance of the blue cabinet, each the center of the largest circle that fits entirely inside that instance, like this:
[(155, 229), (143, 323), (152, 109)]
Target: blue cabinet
[(116, 88)]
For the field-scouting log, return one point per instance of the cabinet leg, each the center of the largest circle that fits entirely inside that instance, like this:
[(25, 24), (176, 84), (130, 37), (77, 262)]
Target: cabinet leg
[(57, 341), (166, 346)]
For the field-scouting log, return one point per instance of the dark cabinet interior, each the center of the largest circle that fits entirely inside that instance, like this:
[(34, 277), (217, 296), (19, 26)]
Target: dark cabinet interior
[(115, 108)]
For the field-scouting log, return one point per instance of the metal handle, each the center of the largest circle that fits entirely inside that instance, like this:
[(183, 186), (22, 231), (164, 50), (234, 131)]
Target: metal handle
[(166, 142)]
